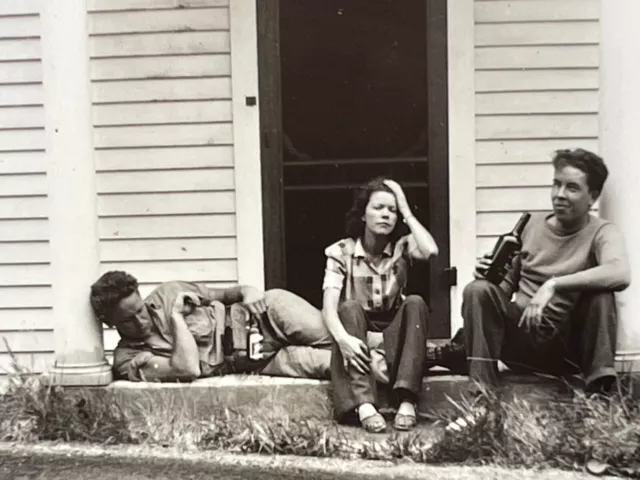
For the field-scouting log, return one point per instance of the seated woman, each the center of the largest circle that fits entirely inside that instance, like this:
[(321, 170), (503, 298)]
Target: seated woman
[(364, 307)]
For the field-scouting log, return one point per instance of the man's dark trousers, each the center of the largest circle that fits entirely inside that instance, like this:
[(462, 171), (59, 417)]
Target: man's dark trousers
[(583, 343)]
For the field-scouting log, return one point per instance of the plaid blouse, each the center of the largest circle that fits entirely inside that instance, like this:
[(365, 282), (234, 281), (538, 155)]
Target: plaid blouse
[(376, 288)]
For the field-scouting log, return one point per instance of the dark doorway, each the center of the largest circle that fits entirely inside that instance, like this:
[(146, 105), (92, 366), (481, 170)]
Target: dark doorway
[(351, 90)]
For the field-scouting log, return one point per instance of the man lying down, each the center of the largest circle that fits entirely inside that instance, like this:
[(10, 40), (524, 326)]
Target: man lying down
[(183, 331)]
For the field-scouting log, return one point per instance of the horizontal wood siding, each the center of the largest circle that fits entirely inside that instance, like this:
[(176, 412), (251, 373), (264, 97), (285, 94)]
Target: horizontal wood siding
[(25, 284), (163, 138), (536, 80)]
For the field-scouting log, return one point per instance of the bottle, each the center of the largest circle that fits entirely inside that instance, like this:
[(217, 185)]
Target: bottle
[(254, 340), (503, 251)]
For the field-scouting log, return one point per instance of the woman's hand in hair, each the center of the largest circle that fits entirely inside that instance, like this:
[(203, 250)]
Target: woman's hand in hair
[(401, 199)]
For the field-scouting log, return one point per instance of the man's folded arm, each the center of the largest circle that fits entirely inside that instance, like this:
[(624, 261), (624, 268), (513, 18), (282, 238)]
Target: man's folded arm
[(612, 273)]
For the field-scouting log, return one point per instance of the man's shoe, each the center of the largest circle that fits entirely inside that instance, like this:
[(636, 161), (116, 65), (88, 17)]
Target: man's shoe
[(451, 355)]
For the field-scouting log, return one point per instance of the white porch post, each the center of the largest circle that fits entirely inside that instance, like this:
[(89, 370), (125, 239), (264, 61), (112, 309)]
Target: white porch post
[(73, 221), (619, 145)]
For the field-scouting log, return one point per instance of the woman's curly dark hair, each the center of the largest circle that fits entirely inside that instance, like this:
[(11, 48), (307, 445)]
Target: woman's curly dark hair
[(107, 292), (355, 225)]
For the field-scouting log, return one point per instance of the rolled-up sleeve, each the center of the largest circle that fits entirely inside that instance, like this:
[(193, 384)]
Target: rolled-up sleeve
[(335, 270)]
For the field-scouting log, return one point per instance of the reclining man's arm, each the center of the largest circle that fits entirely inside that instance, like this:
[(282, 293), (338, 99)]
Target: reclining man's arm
[(184, 363), (252, 297)]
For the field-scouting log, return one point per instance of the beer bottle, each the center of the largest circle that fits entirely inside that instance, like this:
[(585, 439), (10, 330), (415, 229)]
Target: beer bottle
[(254, 340), (503, 251)]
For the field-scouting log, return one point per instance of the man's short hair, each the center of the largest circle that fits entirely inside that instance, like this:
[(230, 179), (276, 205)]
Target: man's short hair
[(107, 292), (591, 164)]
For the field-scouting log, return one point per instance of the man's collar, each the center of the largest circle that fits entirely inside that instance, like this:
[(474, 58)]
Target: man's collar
[(359, 252)]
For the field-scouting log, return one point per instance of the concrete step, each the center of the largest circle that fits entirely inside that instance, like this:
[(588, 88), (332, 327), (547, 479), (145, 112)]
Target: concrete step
[(301, 398)]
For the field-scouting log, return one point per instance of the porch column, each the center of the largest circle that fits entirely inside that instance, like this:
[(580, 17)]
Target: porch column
[(79, 351), (619, 145)]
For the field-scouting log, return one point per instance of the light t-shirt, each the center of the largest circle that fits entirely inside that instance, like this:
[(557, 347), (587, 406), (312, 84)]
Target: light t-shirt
[(548, 252)]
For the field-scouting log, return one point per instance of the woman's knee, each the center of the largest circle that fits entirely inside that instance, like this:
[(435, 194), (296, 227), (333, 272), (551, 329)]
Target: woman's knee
[(351, 313), (415, 302), (349, 307)]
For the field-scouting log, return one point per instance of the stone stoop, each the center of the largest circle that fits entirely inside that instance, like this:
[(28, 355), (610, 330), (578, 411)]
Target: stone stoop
[(301, 398)]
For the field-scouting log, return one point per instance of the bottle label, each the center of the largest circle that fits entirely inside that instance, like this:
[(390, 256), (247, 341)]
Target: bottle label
[(255, 346)]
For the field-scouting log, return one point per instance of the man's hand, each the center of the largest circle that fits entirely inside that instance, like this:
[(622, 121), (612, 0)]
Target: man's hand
[(401, 198), (185, 303), (355, 354), (482, 266), (532, 315), (253, 299)]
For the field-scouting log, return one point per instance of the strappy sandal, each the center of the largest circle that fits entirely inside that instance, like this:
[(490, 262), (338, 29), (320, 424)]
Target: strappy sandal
[(404, 422), (374, 423)]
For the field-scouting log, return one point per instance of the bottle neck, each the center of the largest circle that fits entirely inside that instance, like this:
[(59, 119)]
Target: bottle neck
[(522, 222)]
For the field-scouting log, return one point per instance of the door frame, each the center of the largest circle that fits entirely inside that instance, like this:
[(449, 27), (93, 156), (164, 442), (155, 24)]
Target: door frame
[(271, 149)]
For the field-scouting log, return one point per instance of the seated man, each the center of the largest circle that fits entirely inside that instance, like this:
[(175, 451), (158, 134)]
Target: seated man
[(555, 311), (175, 334)]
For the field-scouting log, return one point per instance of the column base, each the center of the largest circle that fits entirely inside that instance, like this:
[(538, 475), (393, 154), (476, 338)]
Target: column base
[(628, 361), (79, 376)]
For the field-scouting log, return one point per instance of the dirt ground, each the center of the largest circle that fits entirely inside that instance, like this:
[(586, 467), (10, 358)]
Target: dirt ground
[(48, 461)]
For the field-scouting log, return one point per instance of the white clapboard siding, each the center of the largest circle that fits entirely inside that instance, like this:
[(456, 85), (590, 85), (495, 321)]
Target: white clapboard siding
[(172, 66), (22, 139), (539, 102), (140, 21), (109, 5), (25, 279), (163, 138), (163, 181), (23, 207), (25, 362), (24, 26), (163, 135), (536, 92), (519, 175), (195, 156), (22, 162), (158, 44), (24, 230), (162, 90), (21, 94), (171, 203), (168, 249), (545, 56), (13, 49), (500, 11), (539, 33), (21, 117), (193, 270), (23, 185), (157, 113), (527, 151), (526, 80), (20, 72), (162, 226), (26, 319), (491, 127)]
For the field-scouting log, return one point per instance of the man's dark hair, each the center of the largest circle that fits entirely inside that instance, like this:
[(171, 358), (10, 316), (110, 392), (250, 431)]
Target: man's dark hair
[(354, 224), (591, 164), (107, 292)]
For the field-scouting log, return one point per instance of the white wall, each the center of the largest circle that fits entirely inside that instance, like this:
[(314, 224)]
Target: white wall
[(162, 116), (536, 80), (25, 291)]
